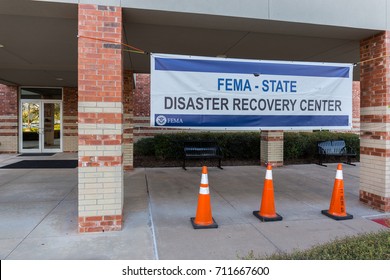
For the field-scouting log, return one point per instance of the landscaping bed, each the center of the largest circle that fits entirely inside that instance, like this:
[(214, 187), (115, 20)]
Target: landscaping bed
[(372, 246), (238, 148)]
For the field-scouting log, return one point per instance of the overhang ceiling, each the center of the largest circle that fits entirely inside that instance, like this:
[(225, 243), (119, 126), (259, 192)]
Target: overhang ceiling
[(40, 40)]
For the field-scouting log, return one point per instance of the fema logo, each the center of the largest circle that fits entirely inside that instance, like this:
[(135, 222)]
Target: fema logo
[(161, 120)]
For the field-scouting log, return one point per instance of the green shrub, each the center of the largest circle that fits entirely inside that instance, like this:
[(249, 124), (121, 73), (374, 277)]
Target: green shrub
[(303, 145), (295, 146), (235, 145), (144, 147), (370, 246)]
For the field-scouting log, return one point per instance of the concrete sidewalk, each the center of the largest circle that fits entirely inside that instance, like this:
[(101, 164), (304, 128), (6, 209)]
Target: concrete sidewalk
[(38, 213)]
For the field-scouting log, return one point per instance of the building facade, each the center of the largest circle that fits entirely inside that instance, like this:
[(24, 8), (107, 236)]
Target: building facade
[(82, 84)]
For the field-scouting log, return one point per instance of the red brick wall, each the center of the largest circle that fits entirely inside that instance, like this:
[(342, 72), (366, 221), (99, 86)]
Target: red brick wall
[(128, 120), (375, 83), (374, 76), (142, 96), (128, 92), (70, 102), (356, 106), (375, 119), (70, 125), (142, 107), (100, 118), (8, 119), (375, 201), (9, 100), (141, 103)]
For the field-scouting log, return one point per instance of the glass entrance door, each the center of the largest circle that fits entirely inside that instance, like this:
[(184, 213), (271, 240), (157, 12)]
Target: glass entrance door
[(31, 119), (51, 124), (41, 126)]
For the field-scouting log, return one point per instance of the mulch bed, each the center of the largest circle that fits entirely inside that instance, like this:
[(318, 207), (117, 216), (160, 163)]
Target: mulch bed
[(384, 222)]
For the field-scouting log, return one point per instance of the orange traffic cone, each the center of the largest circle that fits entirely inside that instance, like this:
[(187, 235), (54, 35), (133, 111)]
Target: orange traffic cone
[(204, 218), (337, 209), (267, 211)]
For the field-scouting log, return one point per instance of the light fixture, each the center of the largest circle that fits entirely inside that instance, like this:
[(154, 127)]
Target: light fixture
[(1, 46), (59, 79)]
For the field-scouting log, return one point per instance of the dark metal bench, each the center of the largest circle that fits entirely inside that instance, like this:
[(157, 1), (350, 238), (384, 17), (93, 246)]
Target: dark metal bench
[(202, 150), (334, 148)]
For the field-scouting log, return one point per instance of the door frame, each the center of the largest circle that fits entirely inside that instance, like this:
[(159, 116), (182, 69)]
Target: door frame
[(41, 139)]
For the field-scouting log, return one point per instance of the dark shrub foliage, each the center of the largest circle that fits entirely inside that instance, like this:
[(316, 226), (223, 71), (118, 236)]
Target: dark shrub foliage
[(298, 146)]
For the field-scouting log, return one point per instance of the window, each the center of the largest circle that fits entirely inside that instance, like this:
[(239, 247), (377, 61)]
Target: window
[(41, 93)]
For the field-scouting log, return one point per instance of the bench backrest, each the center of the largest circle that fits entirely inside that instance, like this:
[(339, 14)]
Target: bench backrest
[(334, 147), (201, 148)]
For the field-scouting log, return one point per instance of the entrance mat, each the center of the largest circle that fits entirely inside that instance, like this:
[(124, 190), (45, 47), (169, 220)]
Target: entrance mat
[(36, 155), (33, 164)]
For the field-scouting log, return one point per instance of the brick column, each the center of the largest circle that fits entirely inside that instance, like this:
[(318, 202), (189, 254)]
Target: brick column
[(271, 147), (100, 119), (8, 119), (375, 122), (128, 120)]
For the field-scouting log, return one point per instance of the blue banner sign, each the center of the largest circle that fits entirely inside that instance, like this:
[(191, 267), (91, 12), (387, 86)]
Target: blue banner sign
[(237, 94)]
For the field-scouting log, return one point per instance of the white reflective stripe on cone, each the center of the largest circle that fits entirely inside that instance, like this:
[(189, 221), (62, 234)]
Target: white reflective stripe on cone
[(268, 175), (204, 190), (204, 180), (339, 174)]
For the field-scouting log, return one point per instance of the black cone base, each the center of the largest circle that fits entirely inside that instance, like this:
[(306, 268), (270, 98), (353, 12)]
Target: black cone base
[(196, 226), (337, 218), (267, 219)]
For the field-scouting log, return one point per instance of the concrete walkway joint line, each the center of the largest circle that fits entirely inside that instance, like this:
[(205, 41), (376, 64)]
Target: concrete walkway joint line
[(155, 247)]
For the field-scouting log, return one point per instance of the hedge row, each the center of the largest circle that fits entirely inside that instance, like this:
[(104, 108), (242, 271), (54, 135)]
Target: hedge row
[(369, 246), (303, 145), (241, 145)]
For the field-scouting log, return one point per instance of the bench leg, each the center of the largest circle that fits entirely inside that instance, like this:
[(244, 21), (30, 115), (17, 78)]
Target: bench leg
[(219, 164), (349, 161), (320, 161), (184, 164)]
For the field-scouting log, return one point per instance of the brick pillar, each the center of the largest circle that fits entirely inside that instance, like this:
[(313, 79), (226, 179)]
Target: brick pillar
[(8, 119), (69, 119), (100, 119), (375, 122), (271, 147), (128, 120)]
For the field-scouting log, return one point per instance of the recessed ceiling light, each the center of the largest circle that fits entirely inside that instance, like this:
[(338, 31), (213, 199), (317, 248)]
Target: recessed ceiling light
[(1, 46), (59, 79)]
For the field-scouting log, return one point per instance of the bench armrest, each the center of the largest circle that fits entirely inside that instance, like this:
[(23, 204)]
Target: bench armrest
[(351, 151), (344, 151), (219, 151)]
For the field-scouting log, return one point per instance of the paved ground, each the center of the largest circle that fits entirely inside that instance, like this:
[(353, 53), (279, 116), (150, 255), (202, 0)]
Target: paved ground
[(38, 213)]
